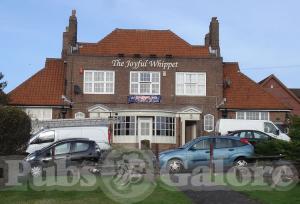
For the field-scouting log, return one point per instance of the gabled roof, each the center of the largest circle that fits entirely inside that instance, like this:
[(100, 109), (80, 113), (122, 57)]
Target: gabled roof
[(143, 42), (296, 92), (45, 88), (244, 93), (272, 76)]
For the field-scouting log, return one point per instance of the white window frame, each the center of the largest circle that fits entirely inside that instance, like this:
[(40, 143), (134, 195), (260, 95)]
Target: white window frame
[(244, 115), (140, 82), (79, 115), (185, 84), (212, 121), (93, 82)]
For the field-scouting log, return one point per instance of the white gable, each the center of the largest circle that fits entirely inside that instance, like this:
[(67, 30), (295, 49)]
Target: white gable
[(99, 109)]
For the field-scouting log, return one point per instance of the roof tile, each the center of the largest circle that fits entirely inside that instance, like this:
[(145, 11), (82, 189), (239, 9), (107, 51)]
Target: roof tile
[(43, 88), (144, 42), (243, 93)]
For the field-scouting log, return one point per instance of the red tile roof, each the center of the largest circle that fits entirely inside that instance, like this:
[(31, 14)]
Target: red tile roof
[(244, 93), (45, 88), (273, 77), (144, 42)]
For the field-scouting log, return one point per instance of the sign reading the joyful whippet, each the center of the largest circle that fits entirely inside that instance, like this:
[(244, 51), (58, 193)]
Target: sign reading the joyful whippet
[(142, 63)]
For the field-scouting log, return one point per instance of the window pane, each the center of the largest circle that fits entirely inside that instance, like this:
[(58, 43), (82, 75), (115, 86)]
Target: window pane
[(208, 122), (179, 89), (270, 128), (134, 77), (109, 87), (62, 148), (99, 76), (155, 88), (88, 76), (259, 135), (145, 88), (264, 115), (203, 144), (240, 115), (109, 76), (224, 143), (145, 76), (134, 88), (80, 147), (155, 77), (99, 87), (252, 115), (88, 87)]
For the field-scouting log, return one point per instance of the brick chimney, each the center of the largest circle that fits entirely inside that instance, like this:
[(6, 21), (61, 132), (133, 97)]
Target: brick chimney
[(70, 35), (212, 38)]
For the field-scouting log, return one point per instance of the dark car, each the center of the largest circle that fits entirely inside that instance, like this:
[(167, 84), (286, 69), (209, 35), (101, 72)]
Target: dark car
[(253, 136), (228, 150), (71, 152)]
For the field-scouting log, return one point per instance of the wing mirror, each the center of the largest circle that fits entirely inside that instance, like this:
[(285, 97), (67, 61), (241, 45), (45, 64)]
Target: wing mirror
[(277, 132)]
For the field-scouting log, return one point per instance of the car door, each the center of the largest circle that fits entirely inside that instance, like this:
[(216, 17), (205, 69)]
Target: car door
[(61, 153), (199, 154), (223, 151), (80, 152)]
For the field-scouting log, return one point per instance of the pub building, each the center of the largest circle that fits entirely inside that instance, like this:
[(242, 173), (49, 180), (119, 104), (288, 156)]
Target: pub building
[(161, 90)]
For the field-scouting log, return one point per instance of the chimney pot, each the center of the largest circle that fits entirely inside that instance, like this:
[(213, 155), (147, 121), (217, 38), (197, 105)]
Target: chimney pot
[(73, 12)]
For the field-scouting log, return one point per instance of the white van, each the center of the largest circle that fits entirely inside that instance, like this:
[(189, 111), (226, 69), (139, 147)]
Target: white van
[(45, 137), (223, 126)]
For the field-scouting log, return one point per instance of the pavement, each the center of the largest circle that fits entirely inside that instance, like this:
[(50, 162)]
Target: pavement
[(221, 196)]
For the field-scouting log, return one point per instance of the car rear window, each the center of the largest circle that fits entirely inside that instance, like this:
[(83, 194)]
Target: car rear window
[(80, 146)]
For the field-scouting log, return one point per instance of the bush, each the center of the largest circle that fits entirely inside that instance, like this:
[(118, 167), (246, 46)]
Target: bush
[(15, 128), (295, 128), (275, 147)]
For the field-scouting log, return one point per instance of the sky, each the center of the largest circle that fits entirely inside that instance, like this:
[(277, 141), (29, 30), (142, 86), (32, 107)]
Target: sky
[(263, 36)]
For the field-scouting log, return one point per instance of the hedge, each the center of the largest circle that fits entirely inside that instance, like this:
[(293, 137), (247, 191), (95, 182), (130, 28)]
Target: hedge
[(15, 128)]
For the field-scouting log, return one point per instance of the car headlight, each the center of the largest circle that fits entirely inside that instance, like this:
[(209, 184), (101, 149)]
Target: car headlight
[(30, 157)]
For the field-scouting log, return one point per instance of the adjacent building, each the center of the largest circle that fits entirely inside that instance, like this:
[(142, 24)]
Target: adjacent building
[(159, 88), (274, 86)]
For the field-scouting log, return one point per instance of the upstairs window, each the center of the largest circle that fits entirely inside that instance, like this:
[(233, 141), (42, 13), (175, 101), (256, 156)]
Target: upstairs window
[(190, 84), (99, 82), (145, 83)]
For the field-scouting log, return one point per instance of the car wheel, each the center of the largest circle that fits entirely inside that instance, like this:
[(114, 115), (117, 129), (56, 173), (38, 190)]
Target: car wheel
[(36, 171), (240, 162), (175, 166)]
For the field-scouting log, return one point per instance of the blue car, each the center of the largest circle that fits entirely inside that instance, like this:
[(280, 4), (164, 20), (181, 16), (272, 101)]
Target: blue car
[(226, 149)]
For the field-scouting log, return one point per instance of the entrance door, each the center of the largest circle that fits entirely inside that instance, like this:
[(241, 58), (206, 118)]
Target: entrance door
[(190, 130), (145, 132)]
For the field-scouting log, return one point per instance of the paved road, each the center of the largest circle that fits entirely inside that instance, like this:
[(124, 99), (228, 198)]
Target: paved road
[(219, 197)]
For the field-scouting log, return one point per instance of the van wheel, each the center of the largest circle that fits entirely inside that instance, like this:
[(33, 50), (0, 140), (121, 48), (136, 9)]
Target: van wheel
[(36, 171), (175, 166), (240, 162)]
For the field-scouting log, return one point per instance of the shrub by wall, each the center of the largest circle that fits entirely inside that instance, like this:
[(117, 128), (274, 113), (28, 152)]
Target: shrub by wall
[(15, 128)]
